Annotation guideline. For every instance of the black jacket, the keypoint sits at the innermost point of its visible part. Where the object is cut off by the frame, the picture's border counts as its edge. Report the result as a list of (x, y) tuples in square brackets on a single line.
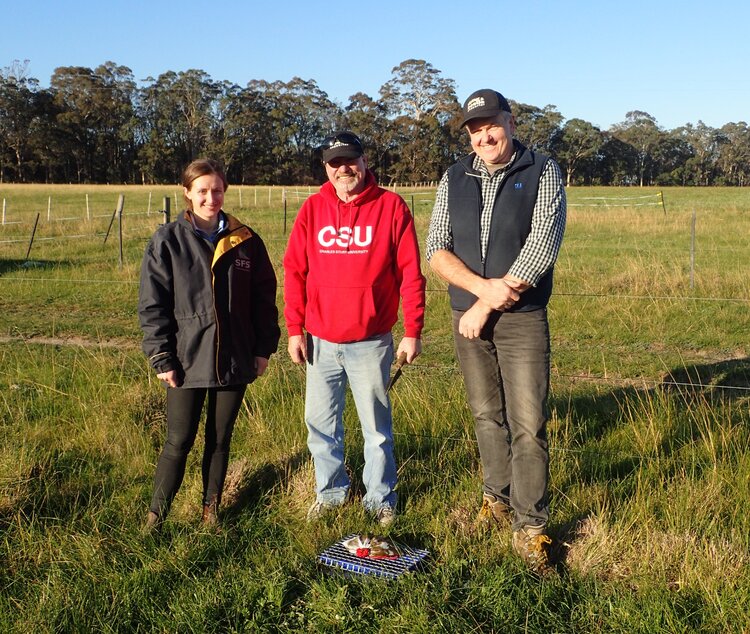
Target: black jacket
[(206, 311)]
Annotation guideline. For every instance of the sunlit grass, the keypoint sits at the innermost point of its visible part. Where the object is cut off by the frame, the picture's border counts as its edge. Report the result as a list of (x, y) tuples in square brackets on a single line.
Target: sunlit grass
[(650, 472)]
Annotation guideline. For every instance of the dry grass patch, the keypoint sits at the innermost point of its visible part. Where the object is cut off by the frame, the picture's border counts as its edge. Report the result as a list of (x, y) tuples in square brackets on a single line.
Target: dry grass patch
[(676, 559)]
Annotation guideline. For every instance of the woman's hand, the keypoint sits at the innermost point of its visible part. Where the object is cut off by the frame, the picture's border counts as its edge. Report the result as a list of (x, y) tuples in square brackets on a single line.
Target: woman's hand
[(261, 363), (170, 377)]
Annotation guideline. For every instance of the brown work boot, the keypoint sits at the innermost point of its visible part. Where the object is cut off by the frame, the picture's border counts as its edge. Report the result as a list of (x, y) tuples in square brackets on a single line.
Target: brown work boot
[(210, 517), (153, 524), (532, 545), (494, 513)]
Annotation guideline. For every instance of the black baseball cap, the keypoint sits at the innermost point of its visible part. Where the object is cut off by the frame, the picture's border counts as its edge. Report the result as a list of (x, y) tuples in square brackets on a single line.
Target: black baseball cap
[(341, 145), (484, 103)]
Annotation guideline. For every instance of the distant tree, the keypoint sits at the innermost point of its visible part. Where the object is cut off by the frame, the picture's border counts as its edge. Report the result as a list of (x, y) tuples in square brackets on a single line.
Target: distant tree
[(19, 106), (240, 139), (73, 89), (261, 115), (734, 154), (705, 142), (616, 162), (307, 117), (367, 118), (424, 113), (578, 144), (95, 116), (416, 90), (178, 119), (116, 135), (537, 128), (671, 156), (424, 150), (640, 131)]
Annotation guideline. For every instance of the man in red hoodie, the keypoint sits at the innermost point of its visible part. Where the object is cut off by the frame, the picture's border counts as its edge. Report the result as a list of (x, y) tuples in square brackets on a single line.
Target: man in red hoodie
[(352, 254)]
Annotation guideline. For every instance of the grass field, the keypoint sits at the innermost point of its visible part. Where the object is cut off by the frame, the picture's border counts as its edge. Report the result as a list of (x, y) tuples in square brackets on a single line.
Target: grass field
[(650, 468)]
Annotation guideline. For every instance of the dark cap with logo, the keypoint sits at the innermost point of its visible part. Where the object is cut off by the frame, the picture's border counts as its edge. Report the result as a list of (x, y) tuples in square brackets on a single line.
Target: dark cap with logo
[(341, 145), (484, 103)]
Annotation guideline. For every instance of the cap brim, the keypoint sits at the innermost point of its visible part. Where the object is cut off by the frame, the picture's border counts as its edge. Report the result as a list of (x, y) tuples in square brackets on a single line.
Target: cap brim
[(340, 152), (488, 113)]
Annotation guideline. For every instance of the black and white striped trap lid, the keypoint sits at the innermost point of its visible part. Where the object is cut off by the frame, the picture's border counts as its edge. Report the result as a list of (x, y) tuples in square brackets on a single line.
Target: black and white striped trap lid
[(338, 556)]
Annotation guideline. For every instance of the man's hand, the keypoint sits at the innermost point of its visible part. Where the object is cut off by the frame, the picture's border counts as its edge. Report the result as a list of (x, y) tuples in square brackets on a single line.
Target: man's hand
[(498, 293), (473, 320), (297, 348), (412, 346)]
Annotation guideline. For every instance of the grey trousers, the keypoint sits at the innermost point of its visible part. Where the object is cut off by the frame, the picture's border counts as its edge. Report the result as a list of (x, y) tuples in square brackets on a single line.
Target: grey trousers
[(506, 374)]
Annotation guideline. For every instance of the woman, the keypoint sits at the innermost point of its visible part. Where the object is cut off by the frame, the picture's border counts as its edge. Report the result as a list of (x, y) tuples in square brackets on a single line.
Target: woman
[(207, 308)]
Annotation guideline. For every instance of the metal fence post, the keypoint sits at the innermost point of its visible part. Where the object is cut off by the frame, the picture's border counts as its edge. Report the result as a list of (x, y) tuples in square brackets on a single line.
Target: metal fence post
[(120, 205)]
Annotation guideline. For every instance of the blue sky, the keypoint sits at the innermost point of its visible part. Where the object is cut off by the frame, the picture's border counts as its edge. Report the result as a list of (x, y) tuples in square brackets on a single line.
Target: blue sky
[(597, 60)]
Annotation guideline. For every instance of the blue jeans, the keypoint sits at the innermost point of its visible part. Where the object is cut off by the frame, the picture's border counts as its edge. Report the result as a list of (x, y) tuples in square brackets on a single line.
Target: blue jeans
[(506, 373), (365, 365)]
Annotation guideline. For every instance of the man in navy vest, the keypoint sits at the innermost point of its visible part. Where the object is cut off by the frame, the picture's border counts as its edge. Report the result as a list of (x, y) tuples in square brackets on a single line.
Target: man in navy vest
[(494, 236)]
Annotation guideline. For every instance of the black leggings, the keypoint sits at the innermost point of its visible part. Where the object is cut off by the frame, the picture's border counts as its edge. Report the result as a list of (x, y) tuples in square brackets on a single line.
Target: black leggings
[(184, 408)]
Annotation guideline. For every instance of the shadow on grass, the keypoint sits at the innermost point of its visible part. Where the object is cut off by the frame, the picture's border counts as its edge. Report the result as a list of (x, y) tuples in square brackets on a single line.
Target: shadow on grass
[(245, 486), (596, 454), (13, 265), (724, 380), (60, 486), (595, 418)]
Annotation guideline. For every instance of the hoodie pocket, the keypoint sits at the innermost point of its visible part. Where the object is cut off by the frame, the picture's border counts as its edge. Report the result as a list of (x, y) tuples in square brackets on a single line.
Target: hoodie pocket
[(341, 314)]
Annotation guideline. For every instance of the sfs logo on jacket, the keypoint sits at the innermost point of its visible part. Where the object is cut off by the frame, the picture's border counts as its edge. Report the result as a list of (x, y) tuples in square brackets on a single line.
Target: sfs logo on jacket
[(345, 237), (241, 263)]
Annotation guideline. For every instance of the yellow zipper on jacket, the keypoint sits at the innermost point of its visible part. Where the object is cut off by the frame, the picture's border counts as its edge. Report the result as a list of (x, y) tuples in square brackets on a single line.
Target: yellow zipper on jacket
[(238, 233)]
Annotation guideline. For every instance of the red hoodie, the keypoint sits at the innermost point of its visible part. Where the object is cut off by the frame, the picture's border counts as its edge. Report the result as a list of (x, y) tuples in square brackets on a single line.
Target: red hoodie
[(347, 264)]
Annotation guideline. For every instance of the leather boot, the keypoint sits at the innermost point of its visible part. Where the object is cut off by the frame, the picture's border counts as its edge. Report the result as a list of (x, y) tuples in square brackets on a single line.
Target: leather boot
[(210, 517), (152, 525)]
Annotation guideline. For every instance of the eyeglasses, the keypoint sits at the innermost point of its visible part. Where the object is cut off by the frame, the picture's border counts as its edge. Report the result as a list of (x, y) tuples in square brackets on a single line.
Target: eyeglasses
[(342, 138)]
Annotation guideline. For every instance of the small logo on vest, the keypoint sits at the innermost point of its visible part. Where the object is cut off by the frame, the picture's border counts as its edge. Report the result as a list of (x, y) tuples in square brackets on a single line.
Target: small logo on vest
[(518, 185)]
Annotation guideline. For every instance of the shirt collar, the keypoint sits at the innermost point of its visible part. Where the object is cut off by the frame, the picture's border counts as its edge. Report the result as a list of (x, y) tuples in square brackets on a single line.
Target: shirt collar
[(480, 166), (211, 237)]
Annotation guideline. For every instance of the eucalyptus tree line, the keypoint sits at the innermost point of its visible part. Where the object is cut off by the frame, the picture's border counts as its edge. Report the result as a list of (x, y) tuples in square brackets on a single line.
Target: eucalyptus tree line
[(99, 125), (95, 122)]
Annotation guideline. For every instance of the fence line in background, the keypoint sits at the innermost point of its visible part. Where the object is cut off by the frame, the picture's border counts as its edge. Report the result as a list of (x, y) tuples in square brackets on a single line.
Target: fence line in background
[(689, 298), (606, 201), (428, 290), (424, 369), (674, 248), (300, 195)]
